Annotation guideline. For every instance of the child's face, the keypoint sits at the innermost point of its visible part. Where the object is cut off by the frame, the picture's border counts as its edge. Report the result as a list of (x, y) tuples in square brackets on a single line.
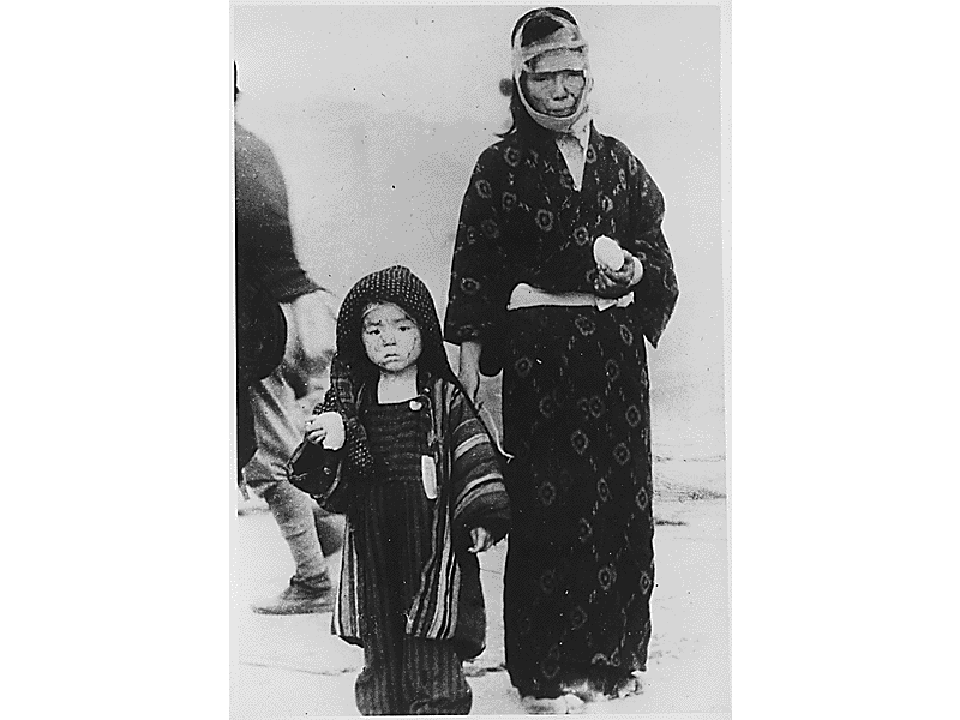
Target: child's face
[(391, 338)]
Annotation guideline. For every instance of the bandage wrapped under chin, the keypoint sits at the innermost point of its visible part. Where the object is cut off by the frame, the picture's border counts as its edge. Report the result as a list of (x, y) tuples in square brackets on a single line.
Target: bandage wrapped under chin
[(562, 50)]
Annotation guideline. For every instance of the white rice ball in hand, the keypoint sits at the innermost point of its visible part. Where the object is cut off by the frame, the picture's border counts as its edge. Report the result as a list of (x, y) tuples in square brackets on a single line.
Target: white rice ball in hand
[(326, 428), (608, 253)]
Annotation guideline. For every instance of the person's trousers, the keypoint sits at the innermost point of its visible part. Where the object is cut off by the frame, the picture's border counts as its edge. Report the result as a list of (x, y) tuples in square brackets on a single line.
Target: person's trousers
[(413, 676), (279, 425), (402, 675)]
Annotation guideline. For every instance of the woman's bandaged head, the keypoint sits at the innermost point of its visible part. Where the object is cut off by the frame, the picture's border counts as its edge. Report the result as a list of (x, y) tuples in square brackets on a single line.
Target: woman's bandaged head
[(561, 49)]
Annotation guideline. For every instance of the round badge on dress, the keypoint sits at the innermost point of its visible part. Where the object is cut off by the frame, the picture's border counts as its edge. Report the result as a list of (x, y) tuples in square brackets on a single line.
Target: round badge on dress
[(415, 405)]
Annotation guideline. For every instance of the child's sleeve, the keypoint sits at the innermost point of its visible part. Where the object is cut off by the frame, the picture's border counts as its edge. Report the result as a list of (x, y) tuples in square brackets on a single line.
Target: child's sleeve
[(477, 473), (318, 471), (331, 476), (342, 398)]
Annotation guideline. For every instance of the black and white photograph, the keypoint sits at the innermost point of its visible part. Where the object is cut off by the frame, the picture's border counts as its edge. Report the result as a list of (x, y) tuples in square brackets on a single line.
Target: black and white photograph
[(472, 358), (482, 349)]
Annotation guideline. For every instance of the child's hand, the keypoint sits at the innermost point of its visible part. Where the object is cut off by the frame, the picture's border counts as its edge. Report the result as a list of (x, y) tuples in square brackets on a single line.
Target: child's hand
[(326, 428), (482, 540)]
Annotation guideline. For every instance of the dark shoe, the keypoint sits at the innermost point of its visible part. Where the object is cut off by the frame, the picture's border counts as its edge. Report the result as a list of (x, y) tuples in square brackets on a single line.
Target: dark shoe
[(298, 599)]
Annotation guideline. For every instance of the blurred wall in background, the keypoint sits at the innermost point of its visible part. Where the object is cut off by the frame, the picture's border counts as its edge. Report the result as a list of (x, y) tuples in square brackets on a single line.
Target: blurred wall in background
[(378, 113)]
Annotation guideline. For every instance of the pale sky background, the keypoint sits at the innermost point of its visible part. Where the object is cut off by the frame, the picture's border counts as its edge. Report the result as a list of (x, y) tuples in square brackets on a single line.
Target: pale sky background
[(377, 114)]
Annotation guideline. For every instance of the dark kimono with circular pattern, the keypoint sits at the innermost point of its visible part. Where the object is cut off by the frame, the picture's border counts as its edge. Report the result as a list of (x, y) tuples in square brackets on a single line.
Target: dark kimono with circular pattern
[(579, 570)]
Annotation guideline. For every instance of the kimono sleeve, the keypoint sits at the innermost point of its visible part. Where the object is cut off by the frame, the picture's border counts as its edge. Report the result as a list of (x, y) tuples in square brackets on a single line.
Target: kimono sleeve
[(656, 294), (480, 496), (477, 296), (343, 397), (332, 476), (316, 470)]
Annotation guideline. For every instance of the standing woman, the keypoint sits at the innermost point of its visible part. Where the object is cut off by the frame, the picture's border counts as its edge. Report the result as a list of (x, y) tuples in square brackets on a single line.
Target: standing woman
[(560, 271)]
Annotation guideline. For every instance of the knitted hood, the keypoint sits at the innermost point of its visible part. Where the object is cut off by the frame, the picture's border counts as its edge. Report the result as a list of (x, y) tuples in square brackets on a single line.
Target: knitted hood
[(397, 285)]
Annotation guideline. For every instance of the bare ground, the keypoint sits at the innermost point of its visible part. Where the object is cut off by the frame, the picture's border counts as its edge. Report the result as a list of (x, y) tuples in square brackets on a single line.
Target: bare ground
[(293, 667)]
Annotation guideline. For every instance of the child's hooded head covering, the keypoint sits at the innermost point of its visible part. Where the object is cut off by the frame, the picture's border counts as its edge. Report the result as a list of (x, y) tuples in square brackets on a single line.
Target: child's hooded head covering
[(401, 287)]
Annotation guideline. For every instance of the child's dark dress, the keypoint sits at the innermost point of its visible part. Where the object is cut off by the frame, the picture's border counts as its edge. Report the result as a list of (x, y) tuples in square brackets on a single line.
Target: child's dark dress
[(410, 591), (403, 674)]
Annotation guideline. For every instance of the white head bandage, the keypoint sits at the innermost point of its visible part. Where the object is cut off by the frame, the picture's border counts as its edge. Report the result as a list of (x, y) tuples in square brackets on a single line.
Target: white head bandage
[(563, 49)]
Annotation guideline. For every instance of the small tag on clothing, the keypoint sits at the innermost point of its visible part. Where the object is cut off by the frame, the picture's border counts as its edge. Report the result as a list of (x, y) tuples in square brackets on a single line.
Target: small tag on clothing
[(428, 471)]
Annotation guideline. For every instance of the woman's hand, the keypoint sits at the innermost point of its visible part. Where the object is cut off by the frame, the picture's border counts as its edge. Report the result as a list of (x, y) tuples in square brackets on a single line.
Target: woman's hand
[(615, 284), (326, 428), (482, 540), (470, 368), (312, 339)]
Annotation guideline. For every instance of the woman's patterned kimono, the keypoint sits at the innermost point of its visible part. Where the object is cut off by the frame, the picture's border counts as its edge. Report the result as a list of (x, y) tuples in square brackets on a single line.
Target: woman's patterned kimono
[(580, 568)]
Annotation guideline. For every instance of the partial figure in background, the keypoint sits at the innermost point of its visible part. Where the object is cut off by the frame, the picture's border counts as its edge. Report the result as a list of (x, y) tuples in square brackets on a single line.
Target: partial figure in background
[(399, 448), (274, 294), (560, 270)]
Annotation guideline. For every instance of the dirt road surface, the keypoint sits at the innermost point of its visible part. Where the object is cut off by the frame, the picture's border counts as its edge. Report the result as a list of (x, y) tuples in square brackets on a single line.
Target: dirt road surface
[(286, 667)]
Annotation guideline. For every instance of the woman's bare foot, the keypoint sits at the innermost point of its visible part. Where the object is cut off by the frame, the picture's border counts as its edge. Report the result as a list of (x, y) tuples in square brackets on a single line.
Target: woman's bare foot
[(563, 705), (586, 691), (633, 685)]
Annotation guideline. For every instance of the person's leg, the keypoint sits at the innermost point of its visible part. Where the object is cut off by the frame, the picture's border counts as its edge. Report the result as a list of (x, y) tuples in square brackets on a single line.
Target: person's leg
[(278, 426), (377, 689), (330, 529), (433, 678)]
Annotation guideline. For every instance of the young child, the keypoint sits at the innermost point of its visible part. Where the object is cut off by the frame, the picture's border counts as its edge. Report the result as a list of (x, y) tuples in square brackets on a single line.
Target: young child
[(397, 446)]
